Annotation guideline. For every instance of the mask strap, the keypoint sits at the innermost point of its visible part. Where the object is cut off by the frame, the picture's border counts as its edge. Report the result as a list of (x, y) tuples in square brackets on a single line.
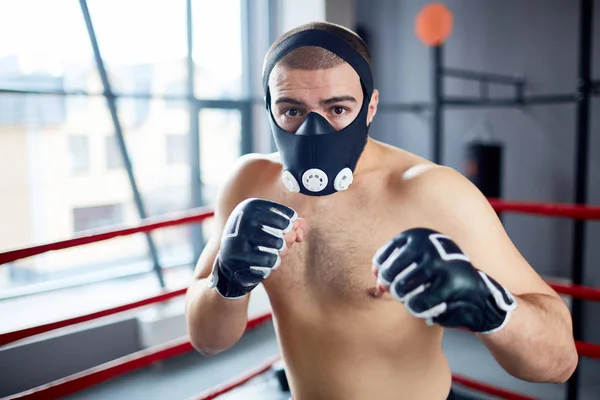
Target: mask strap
[(327, 41)]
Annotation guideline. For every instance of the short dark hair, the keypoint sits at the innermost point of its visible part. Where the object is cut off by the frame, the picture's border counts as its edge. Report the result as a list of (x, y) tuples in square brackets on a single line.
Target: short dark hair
[(311, 58)]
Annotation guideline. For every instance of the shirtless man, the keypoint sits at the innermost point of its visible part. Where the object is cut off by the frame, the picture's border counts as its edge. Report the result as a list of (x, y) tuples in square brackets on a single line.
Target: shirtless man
[(367, 252)]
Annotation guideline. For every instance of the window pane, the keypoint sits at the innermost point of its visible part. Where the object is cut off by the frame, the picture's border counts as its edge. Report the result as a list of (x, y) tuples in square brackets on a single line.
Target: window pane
[(217, 48), (43, 139), (79, 153), (41, 200), (88, 218), (220, 138), (114, 158), (143, 44), (45, 45), (24, 110), (177, 149), (164, 185)]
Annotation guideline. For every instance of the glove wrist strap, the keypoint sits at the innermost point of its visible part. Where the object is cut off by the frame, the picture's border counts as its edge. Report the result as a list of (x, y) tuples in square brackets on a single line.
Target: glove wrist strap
[(503, 302), (225, 286)]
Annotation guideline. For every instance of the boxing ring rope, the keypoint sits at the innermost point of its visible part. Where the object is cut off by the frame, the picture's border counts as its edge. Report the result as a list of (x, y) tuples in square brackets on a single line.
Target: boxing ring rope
[(579, 292), (268, 364), (201, 214), (96, 375), (188, 217), (488, 389), (144, 358), (576, 291), (10, 337), (237, 381), (572, 211)]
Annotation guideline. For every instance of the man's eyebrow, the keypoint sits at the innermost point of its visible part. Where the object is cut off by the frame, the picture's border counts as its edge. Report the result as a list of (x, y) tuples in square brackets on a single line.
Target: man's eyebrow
[(331, 100), (289, 100), (337, 99)]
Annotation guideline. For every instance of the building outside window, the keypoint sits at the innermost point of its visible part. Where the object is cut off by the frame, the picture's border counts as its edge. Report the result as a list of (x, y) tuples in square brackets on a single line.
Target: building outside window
[(63, 171), (87, 218), (79, 153)]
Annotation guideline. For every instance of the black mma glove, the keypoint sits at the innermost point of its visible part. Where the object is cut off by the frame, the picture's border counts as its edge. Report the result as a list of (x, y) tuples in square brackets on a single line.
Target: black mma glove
[(435, 280), (250, 245)]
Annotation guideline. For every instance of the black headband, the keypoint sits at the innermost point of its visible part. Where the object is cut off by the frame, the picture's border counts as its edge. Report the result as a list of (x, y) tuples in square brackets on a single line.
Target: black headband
[(327, 41)]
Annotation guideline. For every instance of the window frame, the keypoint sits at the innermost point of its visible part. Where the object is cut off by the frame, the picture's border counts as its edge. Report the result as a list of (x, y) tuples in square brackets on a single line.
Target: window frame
[(246, 105)]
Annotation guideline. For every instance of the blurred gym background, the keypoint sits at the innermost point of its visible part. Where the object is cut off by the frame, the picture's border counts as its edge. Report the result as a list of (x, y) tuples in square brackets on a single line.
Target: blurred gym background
[(112, 111)]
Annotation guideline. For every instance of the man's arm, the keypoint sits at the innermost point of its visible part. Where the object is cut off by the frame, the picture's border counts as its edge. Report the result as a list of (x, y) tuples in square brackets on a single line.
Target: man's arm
[(215, 323), (537, 343)]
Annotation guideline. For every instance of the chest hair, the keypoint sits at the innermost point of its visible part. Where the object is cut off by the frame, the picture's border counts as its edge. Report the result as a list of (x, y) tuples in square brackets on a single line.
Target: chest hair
[(335, 259)]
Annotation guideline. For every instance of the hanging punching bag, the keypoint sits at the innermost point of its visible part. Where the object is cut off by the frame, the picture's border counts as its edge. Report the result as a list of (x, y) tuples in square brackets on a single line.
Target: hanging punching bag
[(484, 167)]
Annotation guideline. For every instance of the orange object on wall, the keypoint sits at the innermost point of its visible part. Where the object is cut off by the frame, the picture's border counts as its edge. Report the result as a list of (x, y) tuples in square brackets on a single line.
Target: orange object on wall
[(433, 24)]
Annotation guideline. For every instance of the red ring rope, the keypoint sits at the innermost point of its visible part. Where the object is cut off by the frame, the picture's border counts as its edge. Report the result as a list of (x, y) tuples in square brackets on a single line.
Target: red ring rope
[(212, 394), (238, 381), (586, 349), (146, 357), (574, 211), (6, 338), (91, 377), (94, 376), (150, 224), (576, 291), (199, 215), (491, 390)]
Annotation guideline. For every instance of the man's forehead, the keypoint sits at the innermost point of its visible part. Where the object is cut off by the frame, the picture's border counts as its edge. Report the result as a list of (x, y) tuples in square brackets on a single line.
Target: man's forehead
[(341, 75)]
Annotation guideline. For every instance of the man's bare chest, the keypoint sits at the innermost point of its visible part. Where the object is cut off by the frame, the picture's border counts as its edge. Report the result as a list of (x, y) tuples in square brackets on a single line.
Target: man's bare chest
[(334, 260)]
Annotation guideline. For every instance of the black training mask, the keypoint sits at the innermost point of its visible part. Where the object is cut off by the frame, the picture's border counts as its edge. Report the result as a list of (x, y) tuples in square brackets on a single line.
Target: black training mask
[(317, 159)]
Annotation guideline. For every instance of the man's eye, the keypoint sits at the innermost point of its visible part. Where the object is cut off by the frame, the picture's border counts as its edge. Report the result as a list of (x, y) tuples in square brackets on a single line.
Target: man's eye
[(338, 110), (292, 112)]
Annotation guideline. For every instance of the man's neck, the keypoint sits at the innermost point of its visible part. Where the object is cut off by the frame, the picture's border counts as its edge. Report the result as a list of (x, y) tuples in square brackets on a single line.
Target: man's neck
[(369, 159)]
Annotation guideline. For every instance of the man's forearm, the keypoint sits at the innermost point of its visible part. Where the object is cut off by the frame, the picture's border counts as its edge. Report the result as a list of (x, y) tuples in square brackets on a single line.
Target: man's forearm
[(214, 323), (537, 343)]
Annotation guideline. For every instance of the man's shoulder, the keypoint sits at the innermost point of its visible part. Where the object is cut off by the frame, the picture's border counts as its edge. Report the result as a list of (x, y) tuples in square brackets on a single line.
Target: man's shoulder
[(405, 168), (420, 178), (428, 174), (251, 176), (436, 193), (255, 165)]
